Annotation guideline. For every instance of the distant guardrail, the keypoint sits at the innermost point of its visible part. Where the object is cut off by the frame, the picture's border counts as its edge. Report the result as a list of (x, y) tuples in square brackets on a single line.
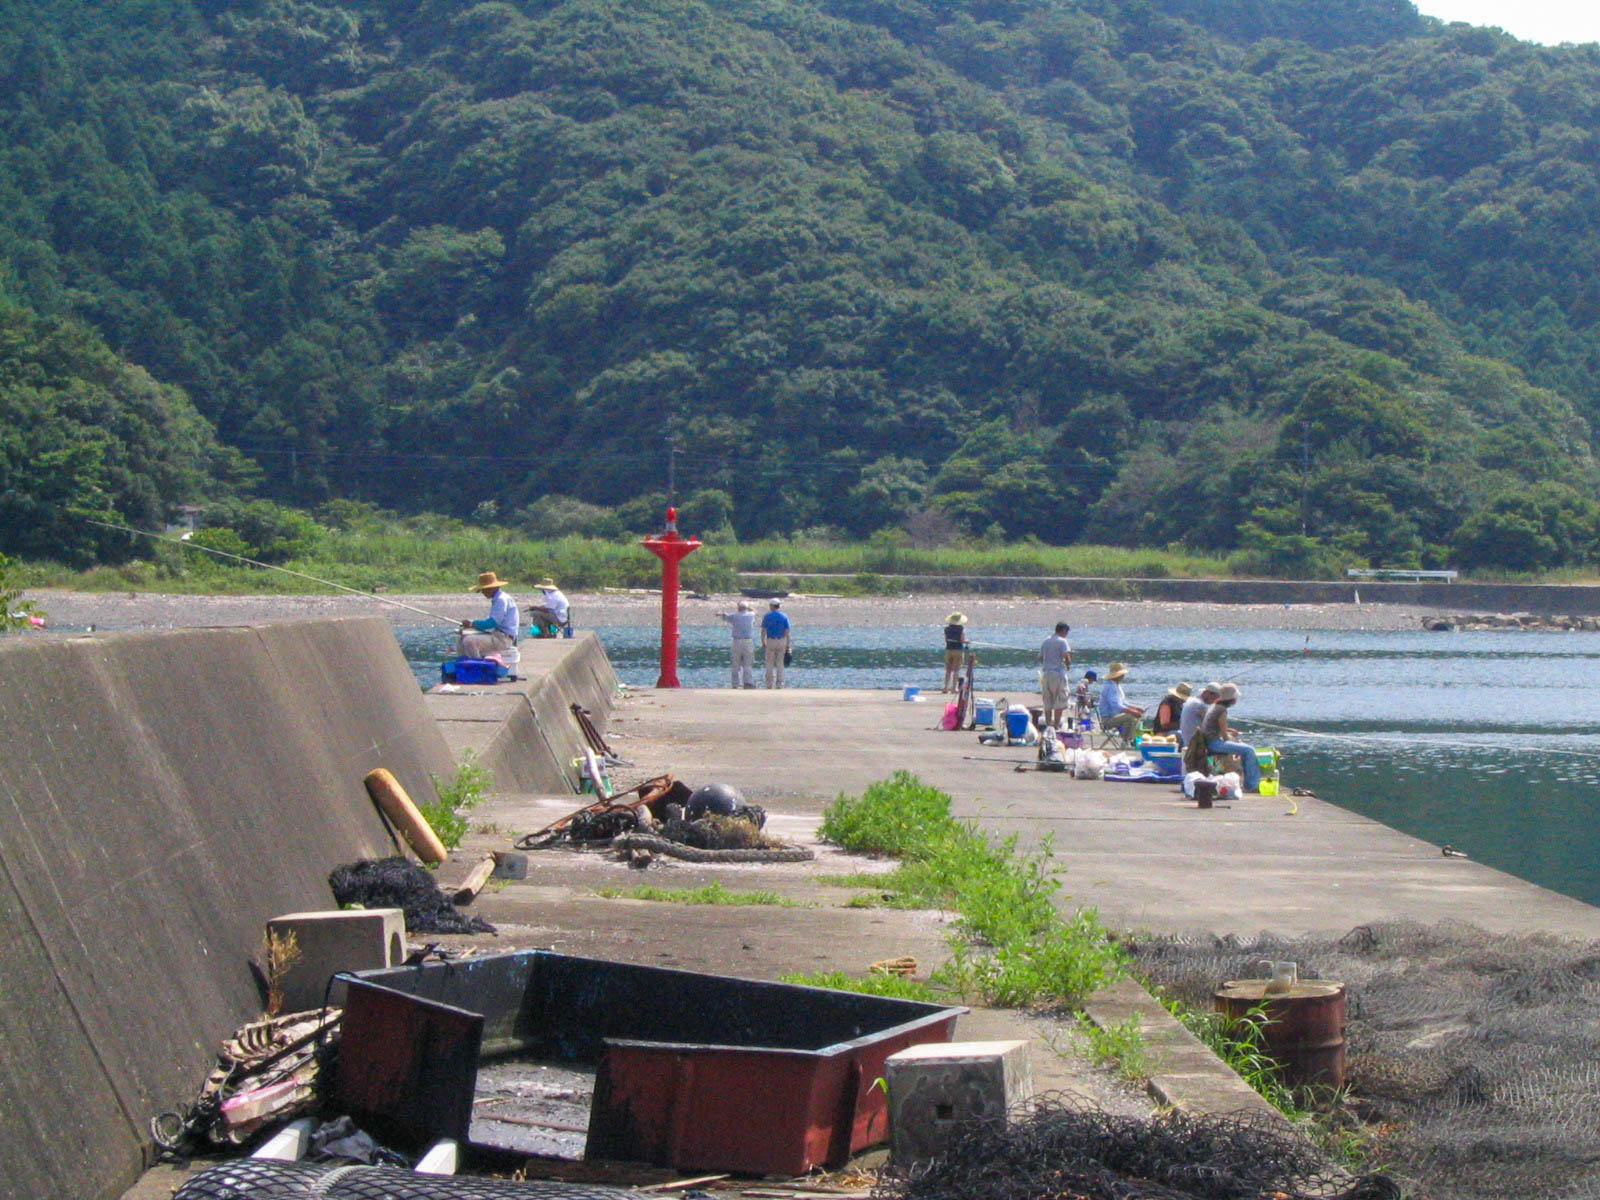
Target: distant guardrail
[(1399, 573)]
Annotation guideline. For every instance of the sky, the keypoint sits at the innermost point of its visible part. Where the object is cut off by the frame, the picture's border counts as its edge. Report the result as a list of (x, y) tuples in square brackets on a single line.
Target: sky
[(1549, 21)]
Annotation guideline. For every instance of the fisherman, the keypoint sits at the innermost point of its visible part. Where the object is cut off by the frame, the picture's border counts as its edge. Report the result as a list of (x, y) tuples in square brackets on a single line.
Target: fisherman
[(1083, 703), (556, 601), (955, 649), (1218, 737), (743, 623), (775, 641), (1194, 711), (497, 631), (1116, 714), (1055, 657), (1169, 711)]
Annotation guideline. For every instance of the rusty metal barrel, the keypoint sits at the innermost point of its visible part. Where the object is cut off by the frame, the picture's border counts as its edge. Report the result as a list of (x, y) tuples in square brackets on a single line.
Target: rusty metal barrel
[(1304, 1027)]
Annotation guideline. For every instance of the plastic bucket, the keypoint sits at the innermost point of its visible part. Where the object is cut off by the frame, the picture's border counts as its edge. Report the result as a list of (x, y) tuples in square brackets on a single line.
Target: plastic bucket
[(1017, 723), (910, 692), (983, 712)]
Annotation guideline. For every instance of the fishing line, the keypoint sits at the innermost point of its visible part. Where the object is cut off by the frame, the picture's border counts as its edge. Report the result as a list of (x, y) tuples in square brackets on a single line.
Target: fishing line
[(1395, 739), (160, 537)]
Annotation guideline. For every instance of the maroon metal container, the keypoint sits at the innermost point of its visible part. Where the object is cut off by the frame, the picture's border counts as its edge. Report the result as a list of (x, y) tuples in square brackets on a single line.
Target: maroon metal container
[(1304, 1027), (700, 1072)]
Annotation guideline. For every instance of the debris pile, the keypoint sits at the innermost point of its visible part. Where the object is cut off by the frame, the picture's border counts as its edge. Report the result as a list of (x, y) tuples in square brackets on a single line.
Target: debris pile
[(400, 883), (1059, 1150), (663, 816)]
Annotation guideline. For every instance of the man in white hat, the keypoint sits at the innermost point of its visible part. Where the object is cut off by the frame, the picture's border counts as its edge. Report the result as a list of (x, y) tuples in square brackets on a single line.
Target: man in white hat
[(955, 649), (556, 601), (775, 628), (1116, 714), (743, 655), (497, 631)]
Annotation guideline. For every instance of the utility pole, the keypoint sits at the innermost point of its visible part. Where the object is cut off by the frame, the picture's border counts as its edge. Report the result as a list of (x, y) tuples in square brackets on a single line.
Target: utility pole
[(1305, 472)]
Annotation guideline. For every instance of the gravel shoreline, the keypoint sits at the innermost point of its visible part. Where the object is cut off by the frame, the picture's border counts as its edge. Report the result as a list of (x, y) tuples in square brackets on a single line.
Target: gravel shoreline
[(123, 611)]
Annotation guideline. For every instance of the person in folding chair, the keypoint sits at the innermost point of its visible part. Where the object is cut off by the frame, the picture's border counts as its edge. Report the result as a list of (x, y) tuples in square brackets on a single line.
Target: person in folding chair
[(1117, 716)]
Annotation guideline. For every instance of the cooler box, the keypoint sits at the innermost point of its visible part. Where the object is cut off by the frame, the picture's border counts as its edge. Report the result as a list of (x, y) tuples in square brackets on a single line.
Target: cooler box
[(1268, 758), (983, 713), (471, 670), (1018, 721), (1152, 748), (1164, 762)]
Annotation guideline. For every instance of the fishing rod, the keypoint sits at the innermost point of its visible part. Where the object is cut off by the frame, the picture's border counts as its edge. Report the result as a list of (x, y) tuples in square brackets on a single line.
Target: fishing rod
[(161, 537)]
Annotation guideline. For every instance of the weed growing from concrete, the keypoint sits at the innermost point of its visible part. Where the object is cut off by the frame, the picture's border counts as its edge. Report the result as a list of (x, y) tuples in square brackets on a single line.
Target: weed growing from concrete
[(279, 953), (457, 797), (713, 894), (875, 984), (1010, 946), (1121, 1046)]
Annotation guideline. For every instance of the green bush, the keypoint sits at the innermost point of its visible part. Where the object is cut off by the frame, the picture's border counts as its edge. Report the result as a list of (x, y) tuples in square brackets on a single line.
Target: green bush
[(457, 798)]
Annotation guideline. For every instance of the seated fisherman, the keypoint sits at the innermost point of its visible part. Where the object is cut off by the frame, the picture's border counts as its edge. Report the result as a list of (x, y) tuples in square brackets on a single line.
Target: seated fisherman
[(1116, 714), (1169, 711), (1218, 737), (497, 631), (556, 601), (1194, 711)]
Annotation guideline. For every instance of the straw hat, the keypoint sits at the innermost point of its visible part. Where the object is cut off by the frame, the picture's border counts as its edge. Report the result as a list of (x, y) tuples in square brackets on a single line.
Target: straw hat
[(956, 619), (1183, 691), (487, 580), (546, 584), (1117, 671), (1228, 693)]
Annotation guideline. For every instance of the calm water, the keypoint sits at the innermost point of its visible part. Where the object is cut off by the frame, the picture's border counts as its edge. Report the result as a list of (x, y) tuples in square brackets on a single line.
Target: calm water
[(1487, 741)]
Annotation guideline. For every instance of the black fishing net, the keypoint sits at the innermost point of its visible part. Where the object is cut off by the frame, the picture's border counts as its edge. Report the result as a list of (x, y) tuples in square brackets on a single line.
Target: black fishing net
[(400, 883), (1473, 1058), (1055, 1150), (260, 1179), (722, 833)]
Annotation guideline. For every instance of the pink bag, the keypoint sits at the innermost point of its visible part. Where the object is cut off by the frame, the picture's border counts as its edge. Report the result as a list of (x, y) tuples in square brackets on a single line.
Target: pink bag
[(952, 716)]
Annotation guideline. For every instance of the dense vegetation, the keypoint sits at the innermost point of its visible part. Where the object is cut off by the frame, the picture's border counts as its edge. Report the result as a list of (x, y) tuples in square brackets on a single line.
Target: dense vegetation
[(1309, 281)]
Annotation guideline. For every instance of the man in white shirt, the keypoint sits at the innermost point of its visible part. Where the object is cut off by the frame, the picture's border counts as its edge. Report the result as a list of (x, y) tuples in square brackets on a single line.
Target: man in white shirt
[(1055, 656), (556, 601), (1116, 714), (743, 626)]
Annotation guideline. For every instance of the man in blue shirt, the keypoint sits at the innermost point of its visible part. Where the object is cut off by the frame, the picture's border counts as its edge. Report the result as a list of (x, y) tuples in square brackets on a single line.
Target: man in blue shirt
[(497, 631), (775, 641), (1116, 714)]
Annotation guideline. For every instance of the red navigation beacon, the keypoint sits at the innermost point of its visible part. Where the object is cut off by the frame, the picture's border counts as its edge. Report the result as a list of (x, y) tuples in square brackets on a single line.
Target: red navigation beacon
[(671, 547)]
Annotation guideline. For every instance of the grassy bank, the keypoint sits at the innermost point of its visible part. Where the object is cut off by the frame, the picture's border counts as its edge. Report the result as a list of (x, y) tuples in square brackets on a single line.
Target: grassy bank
[(432, 559)]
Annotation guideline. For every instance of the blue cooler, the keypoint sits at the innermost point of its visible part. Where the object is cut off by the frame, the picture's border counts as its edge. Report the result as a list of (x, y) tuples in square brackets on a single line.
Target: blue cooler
[(1017, 723), (983, 713)]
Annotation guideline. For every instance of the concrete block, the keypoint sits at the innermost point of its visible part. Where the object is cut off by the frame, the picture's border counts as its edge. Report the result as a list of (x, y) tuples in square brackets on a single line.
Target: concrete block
[(938, 1085), (361, 939)]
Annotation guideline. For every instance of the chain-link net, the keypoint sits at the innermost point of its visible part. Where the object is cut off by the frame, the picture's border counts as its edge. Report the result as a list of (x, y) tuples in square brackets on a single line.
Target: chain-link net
[(400, 883), (1055, 1150), (1473, 1057), (259, 1179)]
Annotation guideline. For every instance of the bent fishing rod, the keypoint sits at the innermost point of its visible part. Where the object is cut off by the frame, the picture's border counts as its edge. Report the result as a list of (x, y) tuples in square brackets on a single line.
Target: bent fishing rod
[(161, 537)]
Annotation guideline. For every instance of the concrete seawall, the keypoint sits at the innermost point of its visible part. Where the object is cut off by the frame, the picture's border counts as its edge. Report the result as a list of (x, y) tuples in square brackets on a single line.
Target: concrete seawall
[(524, 733), (1544, 599), (161, 796)]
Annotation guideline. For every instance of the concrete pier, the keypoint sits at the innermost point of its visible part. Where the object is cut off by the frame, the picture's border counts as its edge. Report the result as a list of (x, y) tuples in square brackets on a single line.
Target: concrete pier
[(1140, 853)]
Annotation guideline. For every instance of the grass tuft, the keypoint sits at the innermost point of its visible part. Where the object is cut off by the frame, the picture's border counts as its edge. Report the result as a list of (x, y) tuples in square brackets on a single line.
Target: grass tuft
[(711, 894)]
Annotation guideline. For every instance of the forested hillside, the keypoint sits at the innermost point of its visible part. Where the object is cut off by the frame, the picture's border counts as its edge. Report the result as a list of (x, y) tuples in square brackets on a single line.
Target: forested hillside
[(1314, 279)]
